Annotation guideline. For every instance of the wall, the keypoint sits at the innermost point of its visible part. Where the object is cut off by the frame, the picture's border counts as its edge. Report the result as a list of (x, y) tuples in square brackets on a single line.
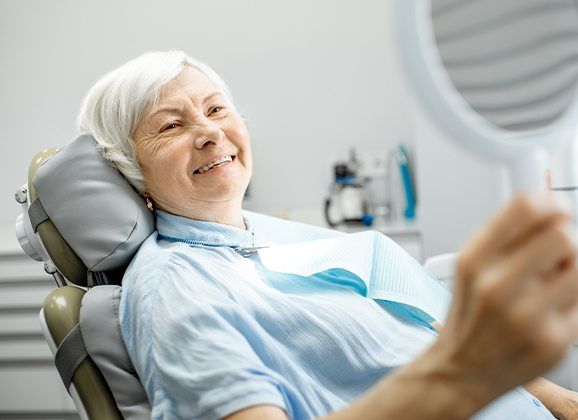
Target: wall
[(458, 191), (311, 78)]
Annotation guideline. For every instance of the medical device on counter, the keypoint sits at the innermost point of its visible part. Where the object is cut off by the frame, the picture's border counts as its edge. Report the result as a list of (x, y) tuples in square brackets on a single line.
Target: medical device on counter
[(402, 160), (499, 77), (348, 196), (380, 190)]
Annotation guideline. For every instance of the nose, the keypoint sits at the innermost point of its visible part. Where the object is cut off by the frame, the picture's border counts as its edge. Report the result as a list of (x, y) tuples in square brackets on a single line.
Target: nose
[(207, 134)]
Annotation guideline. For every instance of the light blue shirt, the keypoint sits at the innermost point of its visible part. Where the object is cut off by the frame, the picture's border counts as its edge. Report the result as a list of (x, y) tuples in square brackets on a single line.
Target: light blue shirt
[(211, 332)]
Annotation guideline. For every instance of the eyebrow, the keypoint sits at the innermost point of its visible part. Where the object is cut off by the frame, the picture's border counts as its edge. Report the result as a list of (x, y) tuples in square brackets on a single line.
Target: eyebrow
[(217, 93), (167, 110)]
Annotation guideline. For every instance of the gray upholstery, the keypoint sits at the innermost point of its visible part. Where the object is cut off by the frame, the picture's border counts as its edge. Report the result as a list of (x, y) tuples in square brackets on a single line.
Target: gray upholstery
[(99, 323), (103, 222), (78, 188), (37, 214)]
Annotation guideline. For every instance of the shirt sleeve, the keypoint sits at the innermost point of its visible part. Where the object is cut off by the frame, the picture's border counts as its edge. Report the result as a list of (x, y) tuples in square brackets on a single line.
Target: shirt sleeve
[(201, 349)]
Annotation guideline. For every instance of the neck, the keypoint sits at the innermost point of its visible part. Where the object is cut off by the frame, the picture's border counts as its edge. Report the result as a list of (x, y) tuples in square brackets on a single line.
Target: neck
[(226, 213)]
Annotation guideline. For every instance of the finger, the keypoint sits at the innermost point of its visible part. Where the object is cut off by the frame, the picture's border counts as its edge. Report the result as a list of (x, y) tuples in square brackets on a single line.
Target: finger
[(524, 214), (571, 317), (561, 292), (570, 309), (548, 249), (563, 329), (542, 255)]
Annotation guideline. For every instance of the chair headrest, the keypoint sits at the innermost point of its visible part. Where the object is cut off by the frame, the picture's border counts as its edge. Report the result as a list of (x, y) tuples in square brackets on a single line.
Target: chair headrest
[(93, 207)]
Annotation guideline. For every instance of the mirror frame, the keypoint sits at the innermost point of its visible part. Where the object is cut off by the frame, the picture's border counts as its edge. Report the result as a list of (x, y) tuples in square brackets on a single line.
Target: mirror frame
[(438, 95)]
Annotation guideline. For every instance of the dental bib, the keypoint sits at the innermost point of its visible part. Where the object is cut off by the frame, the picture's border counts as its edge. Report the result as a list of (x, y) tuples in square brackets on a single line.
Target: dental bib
[(381, 269)]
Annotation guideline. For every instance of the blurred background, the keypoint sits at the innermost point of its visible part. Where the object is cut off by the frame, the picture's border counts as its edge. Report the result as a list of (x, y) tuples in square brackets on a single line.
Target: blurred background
[(335, 131), (312, 80)]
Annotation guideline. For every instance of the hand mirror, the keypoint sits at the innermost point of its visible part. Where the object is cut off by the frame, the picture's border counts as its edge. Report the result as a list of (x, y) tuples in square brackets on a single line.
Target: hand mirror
[(500, 77)]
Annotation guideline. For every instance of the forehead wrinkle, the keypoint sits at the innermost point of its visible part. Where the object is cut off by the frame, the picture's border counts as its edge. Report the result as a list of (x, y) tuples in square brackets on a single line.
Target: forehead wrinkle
[(193, 90), (174, 109), (171, 109), (212, 95)]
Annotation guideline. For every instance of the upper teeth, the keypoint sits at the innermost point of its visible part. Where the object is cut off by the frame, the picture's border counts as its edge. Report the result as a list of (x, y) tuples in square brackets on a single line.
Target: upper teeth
[(217, 162)]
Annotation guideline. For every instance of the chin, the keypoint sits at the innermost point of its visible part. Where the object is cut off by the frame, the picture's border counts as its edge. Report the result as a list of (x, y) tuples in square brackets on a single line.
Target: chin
[(222, 194)]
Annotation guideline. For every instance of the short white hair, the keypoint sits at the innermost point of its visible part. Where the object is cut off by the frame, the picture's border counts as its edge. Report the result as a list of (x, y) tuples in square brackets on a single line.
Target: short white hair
[(114, 106)]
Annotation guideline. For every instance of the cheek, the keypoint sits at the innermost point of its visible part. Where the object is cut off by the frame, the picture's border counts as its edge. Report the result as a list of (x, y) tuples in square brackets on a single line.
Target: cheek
[(147, 154), (237, 131), (165, 165), (240, 137)]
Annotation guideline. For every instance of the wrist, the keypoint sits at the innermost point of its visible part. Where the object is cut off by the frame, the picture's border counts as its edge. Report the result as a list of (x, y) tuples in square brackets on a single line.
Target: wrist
[(426, 388), (452, 390), (446, 394), (556, 398)]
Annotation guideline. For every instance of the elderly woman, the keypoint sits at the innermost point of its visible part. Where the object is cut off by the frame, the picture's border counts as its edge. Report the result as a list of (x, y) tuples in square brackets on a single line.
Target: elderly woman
[(213, 335)]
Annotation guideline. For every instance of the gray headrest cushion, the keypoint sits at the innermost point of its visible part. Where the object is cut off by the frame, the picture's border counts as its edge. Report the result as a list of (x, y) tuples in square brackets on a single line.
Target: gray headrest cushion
[(92, 205)]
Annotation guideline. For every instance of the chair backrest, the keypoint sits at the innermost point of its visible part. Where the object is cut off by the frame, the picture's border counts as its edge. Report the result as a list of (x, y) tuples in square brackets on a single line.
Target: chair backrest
[(86, 385), (90, 223), (105, 346)]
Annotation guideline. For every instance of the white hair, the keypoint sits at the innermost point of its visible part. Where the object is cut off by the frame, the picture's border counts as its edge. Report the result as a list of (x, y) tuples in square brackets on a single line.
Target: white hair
[(113, 107)]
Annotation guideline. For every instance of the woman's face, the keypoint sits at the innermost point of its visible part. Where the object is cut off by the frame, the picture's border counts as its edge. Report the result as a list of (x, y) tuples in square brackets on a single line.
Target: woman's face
[(193, 148)]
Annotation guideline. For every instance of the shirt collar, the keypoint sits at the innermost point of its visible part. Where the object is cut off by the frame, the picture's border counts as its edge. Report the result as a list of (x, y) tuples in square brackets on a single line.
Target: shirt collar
[(200, 232)]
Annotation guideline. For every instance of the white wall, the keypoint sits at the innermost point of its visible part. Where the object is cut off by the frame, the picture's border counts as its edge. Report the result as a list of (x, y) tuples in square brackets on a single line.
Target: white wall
[(311, 77), (458, 191)]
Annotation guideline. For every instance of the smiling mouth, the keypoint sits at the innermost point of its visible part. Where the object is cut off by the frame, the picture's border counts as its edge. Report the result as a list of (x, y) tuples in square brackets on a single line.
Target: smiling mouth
[(215, 164)]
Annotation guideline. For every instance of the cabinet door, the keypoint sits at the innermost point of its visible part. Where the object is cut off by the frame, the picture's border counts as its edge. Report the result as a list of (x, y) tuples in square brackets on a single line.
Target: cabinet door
[(30, 386), (411, 243)]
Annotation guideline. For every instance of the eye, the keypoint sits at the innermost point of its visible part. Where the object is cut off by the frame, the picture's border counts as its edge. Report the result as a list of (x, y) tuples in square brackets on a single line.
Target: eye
[(215, 109), (170, 126)]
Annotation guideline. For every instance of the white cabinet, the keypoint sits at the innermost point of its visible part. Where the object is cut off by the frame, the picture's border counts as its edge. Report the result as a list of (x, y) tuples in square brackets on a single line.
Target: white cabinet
[(407, 235), (410, 241), (30, 386)]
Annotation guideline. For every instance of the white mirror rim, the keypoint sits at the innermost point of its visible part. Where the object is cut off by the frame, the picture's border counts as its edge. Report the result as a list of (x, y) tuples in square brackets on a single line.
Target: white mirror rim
[(440, 98)]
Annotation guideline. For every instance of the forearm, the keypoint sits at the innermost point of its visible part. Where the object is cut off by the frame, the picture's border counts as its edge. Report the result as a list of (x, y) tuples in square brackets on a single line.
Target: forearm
[(422, 389), (553, 396), (539, 387)]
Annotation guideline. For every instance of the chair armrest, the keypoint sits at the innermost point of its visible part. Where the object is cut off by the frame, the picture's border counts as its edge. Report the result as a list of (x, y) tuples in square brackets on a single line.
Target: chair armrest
[(443, 267)]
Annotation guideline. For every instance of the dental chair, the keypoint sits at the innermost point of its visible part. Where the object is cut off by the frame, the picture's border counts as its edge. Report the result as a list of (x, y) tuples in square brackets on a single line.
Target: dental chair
[(83, 219)]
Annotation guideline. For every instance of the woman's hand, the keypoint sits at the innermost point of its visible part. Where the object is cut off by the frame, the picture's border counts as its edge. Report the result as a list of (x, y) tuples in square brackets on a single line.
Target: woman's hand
[(515, 308), (515, 312), (565, 405)]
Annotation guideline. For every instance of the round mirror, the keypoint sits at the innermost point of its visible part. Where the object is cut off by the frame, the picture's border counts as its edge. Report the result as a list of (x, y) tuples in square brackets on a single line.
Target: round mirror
[(499, 76)]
